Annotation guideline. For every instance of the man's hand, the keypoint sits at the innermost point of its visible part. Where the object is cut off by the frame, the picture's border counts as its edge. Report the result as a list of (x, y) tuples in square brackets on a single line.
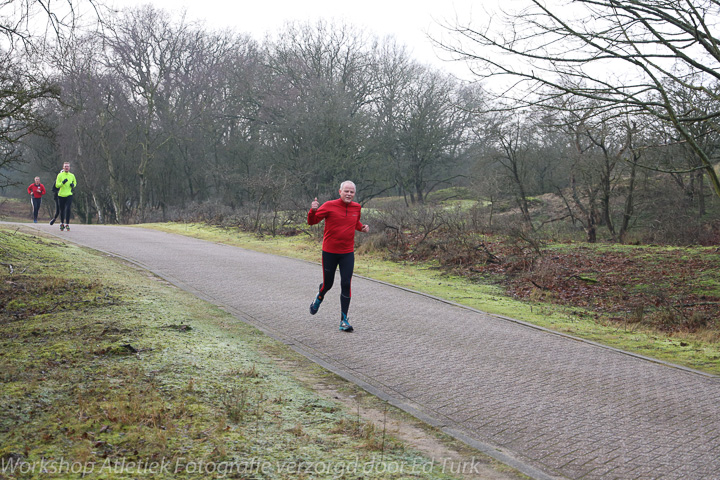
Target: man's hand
[(64, 181), (365, 228), (315, 205)]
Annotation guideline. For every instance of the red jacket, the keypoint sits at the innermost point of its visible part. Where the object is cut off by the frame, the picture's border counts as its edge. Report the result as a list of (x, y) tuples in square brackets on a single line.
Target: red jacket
[(36, 191), (341, 221)]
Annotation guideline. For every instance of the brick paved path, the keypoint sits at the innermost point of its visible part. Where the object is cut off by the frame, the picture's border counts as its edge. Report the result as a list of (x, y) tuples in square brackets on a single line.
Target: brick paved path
[(549, 404)]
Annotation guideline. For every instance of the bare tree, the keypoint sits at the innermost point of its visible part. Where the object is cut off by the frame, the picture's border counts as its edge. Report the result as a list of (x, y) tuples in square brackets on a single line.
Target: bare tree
[(433, 132), (228, 124), (20, 92), (598, 175), (629, 55), (514, 144), (317, 114), (94, 131), (395, 74), (29, 28), (688, 177), (147, 51)]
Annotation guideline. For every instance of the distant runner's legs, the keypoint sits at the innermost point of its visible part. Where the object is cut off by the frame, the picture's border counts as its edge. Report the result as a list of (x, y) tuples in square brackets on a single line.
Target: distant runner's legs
[(57, 208), (36, 207), (65, 208)]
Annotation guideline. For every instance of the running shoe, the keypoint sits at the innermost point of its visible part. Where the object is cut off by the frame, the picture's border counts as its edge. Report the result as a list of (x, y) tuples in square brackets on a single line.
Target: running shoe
[(344, 324), (315, 305), (67, 228), (62, 227), (52, 221)]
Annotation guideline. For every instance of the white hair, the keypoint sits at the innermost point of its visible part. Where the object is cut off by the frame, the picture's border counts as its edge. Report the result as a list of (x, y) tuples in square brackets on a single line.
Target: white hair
[(342, 185)]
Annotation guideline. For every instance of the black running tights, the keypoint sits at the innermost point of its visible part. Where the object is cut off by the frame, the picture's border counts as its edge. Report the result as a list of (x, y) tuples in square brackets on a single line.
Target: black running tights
[(65, 207), (36, 207), (330, 262)]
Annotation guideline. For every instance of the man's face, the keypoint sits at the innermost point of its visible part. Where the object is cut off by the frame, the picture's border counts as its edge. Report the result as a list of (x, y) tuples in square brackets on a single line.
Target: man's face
[(37, 180), (66, 167), (347, 192)]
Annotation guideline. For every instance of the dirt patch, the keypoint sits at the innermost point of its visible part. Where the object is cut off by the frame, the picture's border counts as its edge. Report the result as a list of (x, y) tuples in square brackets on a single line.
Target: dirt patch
[(670, 290)]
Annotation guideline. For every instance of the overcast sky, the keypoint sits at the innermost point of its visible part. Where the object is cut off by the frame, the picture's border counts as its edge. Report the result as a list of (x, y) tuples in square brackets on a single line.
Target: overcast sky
[(409, 21)]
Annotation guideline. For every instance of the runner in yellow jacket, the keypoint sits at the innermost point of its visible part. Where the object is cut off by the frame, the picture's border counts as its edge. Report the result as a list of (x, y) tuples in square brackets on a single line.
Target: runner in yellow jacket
[(66, 183)]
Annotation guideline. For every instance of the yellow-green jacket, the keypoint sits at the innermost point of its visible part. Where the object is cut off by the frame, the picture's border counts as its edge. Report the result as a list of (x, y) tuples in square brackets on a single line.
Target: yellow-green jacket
[(66, 189)]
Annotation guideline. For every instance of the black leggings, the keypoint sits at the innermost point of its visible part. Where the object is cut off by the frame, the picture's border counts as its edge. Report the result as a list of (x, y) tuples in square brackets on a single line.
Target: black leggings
[(36, 207), (330, 262), (65, 207)]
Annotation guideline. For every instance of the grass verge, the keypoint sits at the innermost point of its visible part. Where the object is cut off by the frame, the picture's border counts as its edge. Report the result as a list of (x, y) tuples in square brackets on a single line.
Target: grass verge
[(109, 372), (694, 351)]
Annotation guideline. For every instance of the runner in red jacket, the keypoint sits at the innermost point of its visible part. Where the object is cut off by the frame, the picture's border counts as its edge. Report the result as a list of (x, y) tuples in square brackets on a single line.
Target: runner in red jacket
[(342, 219), (36, 191)]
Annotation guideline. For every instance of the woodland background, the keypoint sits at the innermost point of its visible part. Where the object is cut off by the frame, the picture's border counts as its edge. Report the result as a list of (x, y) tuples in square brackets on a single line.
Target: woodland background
[(162, 118)]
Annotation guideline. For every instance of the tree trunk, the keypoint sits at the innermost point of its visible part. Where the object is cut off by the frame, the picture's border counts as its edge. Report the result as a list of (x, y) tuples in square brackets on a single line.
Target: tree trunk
[(98, 208), (701, 193), (591, 228), (629, 203)]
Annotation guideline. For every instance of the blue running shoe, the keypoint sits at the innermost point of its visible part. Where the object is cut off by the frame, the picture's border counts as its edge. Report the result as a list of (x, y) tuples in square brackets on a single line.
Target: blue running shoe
[(314, 306), (345, 325)]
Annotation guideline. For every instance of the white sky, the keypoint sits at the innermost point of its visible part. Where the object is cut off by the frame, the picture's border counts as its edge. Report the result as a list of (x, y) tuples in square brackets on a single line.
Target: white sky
[(409, 21)]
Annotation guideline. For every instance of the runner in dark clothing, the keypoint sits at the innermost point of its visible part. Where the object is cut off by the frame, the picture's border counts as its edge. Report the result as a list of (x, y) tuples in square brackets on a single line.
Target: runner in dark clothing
[(342, 219), (36, 191), (55, 191)]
